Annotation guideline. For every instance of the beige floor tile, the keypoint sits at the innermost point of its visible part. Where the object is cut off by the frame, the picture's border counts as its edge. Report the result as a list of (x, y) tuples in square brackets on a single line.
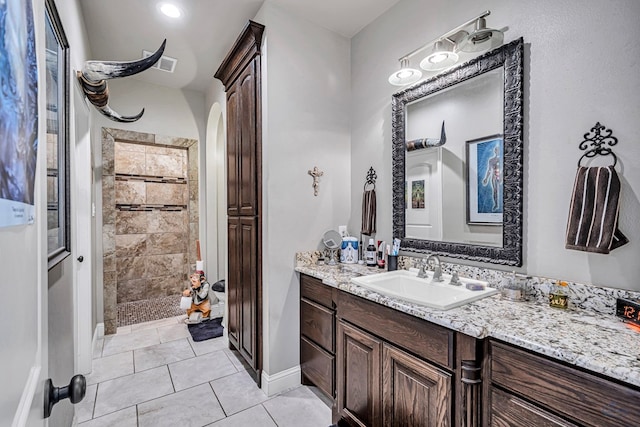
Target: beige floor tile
[(162, 354), (84, 408), (256, 416), (195, 406), (173, 332), (200, 370), (154, 324), (237, 392), (123, 392), (123, 418), (299, 407), (208, 346), (110, 367), (236, 359), (114, 344)]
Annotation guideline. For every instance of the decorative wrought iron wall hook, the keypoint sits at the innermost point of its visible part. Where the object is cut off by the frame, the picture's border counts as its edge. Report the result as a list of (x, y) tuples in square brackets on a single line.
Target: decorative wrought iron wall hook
[(371, 178), (595, 142)]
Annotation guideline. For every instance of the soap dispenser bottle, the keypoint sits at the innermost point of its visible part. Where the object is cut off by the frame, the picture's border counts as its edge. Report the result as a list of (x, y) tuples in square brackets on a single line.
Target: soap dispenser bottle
[(370, 254)]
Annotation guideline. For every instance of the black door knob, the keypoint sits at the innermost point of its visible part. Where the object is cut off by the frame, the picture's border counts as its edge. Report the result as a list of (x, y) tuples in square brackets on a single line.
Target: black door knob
[(75, 391), (80, 258)]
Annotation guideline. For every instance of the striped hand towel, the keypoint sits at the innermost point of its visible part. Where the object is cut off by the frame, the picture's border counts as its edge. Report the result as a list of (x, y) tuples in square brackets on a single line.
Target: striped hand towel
[(593, 215), (369, 212)]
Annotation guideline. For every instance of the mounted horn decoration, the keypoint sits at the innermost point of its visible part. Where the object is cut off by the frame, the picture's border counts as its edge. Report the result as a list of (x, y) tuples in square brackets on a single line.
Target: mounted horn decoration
[(94, 75)]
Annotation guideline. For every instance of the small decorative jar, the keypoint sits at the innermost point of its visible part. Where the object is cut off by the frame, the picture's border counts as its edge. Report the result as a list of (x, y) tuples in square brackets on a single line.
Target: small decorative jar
[(558, 297)]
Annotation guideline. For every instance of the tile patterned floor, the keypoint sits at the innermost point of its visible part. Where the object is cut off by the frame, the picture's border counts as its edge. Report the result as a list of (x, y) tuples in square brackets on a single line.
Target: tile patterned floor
[(154, 374), (130, 313)]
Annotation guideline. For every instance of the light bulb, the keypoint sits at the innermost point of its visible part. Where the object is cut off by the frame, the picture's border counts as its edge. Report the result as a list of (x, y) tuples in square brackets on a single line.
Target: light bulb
[(170, 10)]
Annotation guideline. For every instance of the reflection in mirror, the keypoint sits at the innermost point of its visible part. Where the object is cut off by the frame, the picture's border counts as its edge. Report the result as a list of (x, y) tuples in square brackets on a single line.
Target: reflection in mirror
[(471, 109), (462, 199)]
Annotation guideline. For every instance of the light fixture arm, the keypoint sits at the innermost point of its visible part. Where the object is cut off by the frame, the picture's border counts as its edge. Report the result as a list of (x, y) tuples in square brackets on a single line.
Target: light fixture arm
[(445, 35)]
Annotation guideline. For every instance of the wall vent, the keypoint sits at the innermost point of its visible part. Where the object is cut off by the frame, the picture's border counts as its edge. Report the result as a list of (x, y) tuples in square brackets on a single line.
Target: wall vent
[(165, 63)]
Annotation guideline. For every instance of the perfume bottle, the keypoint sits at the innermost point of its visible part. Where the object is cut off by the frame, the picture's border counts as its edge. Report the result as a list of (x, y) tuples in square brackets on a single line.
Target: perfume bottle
[(559, 294)]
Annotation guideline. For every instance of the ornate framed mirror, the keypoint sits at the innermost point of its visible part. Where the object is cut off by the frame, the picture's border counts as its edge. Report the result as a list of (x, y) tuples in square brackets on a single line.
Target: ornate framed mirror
[(481, 105)]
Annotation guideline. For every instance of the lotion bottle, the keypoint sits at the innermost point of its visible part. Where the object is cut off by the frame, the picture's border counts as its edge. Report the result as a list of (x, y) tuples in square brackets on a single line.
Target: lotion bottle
[(370, 254)]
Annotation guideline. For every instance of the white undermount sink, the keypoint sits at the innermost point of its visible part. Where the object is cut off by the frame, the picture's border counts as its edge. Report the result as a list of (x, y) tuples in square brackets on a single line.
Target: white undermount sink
[(406, 285)]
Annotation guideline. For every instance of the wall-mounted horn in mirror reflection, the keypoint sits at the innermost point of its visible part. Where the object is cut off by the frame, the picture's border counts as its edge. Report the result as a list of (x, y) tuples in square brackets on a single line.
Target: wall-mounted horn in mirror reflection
[(436, 188)]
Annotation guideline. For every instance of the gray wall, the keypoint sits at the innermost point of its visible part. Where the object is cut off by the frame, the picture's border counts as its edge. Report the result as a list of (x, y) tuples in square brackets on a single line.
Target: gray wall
[(581, 67), (306, 92)]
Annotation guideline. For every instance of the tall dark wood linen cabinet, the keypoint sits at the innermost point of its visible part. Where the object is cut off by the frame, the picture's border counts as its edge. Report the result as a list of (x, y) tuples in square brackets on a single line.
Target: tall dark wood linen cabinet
[(240, 74)]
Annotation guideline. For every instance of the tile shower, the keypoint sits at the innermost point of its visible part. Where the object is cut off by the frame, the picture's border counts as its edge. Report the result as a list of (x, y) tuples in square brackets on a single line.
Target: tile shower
[(150, 224)]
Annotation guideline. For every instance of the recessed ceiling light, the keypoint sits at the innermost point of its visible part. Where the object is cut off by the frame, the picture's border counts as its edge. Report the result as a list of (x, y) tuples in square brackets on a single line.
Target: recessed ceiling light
[(171, 10)]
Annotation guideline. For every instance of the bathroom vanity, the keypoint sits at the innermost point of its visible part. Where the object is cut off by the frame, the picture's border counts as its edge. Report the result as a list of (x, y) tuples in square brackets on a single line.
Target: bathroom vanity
[(386, 362)]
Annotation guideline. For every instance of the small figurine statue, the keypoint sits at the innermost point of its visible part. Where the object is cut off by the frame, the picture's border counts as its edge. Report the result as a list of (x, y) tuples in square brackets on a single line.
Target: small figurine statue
[(199, 292)]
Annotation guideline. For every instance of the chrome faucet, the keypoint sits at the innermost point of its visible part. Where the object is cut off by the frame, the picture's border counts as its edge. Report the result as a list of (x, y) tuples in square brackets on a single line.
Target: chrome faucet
[(422, 272), (455, 279), (437, 269)]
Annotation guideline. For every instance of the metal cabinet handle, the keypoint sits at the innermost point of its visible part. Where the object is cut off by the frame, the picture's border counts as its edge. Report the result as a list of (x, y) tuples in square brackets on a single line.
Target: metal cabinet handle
[(75, 392), (80, 258)]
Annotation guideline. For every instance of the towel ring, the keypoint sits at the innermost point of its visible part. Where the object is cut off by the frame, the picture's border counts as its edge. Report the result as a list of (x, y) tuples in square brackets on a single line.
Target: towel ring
[(371, 179), (599, 152), (596, 138)]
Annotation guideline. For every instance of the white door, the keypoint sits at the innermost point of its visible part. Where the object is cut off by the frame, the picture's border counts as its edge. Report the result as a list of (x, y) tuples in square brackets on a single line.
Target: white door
[(423, 195)]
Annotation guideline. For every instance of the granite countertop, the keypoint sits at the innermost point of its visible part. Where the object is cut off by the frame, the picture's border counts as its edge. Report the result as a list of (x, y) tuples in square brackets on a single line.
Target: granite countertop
[(597, 342)]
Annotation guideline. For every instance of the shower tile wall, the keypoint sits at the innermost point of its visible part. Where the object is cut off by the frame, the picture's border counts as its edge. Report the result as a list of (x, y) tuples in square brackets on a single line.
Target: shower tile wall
[(139, 210), (152, 225)]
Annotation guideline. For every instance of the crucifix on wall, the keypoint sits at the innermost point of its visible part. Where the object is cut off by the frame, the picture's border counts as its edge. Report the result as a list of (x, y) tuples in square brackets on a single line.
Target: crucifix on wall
[(316, 173)]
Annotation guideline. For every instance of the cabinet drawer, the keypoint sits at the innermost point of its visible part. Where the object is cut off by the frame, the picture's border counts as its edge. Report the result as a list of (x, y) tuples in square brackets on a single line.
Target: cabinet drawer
[(318, 366), (313, 289), (507, 410), (582, 396), (317, 324), (431, 342)]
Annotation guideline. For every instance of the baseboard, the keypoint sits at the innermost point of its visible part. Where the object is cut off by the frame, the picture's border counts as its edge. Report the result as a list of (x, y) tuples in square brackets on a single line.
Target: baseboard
[(26, 400), (281, 381), (98, 334)]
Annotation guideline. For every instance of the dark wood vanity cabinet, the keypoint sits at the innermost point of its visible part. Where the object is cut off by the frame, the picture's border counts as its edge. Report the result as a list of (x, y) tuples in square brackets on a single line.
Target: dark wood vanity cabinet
[(382, 385), (383, 367), (528, 389), (317, 334), (241, 75), (392, 369)]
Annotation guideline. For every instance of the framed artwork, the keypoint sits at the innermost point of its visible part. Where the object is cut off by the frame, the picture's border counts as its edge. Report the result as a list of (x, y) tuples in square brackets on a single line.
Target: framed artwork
[(57, 89), (485, 158), (18, 113), (417, 194)]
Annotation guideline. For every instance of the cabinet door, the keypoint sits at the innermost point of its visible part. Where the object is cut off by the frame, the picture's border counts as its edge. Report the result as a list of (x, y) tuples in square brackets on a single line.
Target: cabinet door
[(234, 271), (359, 394), (248, 290), (247, 143), (508, 410), (414, 393), (233, 162)]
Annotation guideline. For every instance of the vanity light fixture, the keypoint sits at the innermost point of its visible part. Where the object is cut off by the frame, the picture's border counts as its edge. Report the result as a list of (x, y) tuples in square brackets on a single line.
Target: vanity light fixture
[(170, 10), (405, 75), (442, 56), (482, 38), (472, 36)]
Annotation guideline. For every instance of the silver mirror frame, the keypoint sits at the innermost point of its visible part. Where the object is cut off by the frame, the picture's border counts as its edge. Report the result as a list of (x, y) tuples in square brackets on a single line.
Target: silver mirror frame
[(509, 56)]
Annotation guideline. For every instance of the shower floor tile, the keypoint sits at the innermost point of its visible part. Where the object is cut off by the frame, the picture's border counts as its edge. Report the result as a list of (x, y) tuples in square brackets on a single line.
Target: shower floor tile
[(131, 313)]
